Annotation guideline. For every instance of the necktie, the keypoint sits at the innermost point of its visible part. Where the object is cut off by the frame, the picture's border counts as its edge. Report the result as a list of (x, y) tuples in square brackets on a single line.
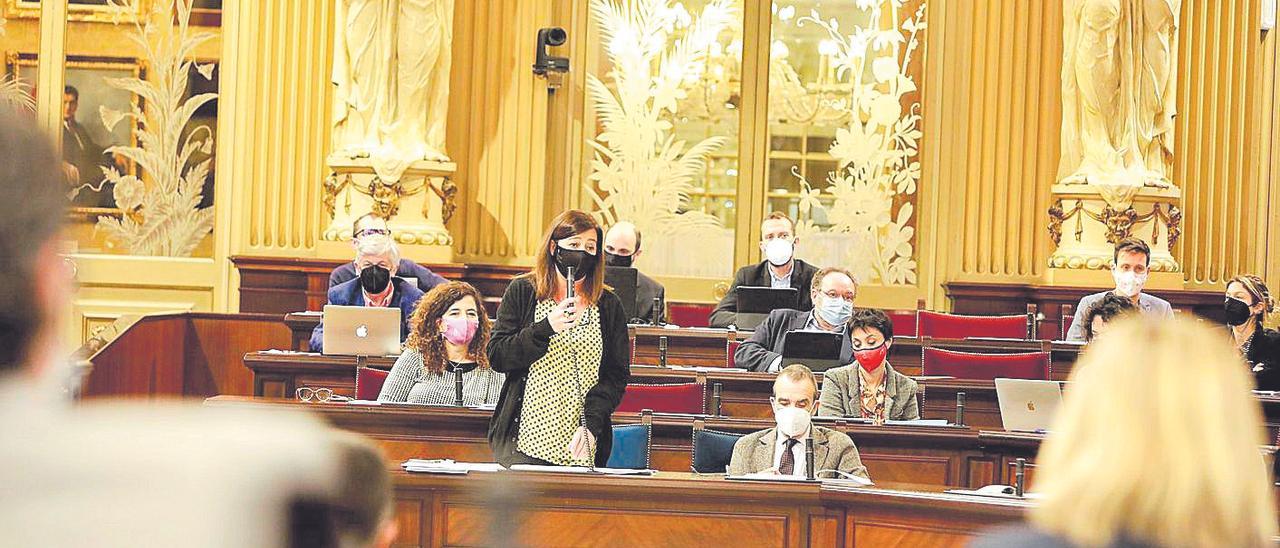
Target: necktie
[(788, 463)]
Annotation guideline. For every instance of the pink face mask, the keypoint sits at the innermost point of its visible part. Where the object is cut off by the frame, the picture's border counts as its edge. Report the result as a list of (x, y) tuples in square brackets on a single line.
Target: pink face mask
[(460, 331)]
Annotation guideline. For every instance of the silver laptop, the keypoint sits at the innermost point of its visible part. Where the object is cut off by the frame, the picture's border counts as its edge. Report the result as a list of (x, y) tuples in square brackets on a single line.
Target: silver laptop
[(361, 330), (1027, 405)]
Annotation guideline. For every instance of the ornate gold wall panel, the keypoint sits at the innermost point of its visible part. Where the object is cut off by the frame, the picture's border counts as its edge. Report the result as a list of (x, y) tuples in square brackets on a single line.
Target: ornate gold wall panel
[(993, 112)]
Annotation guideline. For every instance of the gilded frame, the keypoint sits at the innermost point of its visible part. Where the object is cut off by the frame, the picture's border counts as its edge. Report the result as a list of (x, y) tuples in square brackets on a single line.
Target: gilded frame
[(80, 10)]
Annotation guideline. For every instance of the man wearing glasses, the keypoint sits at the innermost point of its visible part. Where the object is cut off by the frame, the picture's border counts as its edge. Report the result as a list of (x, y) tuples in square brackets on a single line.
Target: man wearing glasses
[(780, 269), (370, 225), (833, 293)]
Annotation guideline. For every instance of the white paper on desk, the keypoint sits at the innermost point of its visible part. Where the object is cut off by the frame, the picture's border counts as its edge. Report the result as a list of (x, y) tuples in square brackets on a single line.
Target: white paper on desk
[(919, 422), (551, 468), (624, 471), (309, 313), (364, 402), (279, 351), (768, 476), (448, 466)]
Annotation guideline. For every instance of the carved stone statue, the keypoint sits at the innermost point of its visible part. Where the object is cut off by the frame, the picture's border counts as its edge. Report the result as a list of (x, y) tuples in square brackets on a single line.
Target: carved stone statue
[(1119, 61), (391, 77)]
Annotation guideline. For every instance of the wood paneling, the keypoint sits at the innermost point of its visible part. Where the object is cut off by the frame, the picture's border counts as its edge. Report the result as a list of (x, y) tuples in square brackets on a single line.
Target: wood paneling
[(183, 354)]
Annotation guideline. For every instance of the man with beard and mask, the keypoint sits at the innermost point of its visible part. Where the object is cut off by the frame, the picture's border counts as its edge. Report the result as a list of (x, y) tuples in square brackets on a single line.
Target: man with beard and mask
[(376, 284), (1130, 261), (781, 450), (780, 269), (833, 294), (561, 340), (1247, 305), (370, 224), (622, 248)]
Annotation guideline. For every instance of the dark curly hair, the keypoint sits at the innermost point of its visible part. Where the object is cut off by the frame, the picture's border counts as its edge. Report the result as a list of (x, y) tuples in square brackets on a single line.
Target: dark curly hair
[(872, 318), (427, 339), (1109, 308)]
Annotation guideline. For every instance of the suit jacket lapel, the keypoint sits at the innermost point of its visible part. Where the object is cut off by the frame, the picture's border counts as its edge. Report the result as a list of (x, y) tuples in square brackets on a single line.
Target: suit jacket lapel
[(763, 456), (821, 451)]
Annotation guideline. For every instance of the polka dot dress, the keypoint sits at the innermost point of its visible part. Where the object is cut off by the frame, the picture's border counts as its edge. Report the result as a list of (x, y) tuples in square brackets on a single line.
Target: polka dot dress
[(558, 382)]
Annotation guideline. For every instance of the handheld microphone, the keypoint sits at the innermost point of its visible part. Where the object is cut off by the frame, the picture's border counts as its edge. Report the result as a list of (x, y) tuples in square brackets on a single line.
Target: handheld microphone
[(808, 459), (715, 398), (1019, 476), (457, 387), (569, 282), (959, 408), (662, 351)]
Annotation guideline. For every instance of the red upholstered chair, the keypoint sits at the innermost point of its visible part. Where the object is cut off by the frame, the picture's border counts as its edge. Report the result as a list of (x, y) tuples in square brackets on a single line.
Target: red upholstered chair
[(967, 365), (954, 326), (689, 314), (904, 322), (731, 348), (1068, 318), (664, 398), (369, 382)]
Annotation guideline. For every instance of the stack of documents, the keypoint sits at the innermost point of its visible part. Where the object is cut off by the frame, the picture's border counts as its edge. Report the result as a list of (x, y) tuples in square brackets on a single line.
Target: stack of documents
[(448, 466)]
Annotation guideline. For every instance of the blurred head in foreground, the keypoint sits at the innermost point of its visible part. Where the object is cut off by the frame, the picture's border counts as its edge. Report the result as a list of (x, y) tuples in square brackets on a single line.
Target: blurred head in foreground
[(1158, 442)]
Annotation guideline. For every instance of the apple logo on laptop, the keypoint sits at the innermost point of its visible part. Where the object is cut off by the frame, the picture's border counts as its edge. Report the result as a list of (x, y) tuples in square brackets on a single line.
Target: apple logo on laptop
[(1031, 406), (362, 331)]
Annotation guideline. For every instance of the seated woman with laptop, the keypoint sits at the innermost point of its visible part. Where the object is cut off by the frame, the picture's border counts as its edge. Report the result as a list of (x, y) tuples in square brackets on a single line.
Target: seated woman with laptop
[(869, 387), (448, 334)]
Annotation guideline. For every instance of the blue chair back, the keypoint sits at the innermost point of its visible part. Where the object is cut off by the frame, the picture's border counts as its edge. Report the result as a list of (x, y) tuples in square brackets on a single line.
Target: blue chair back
[(630, 447), (712, 450)]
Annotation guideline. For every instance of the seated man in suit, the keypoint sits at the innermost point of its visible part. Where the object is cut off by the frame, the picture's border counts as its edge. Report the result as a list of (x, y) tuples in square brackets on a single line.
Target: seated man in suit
[(833, 292), (794, 400), (373, 225), (376, 284), (779, 269), (622, 248), (1129, 268)]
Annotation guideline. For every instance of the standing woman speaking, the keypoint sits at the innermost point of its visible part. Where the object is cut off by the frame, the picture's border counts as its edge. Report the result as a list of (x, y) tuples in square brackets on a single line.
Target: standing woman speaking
[(564, 350)]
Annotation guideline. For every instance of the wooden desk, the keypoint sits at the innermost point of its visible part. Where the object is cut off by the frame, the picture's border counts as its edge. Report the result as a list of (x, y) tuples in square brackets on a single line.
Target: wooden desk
[(681, 509), (940, 456), (709, 347)]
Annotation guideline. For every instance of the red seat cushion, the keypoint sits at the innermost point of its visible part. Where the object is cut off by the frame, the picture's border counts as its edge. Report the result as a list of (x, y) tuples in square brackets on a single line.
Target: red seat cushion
[(1067, 322), (954, 326), (730, 349), (369, 383), (663, 398), (690, 315), (967, 365)]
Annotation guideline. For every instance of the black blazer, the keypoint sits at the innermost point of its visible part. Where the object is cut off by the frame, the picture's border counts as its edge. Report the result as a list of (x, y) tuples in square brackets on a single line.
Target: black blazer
[(1264, 359), (517, 342), (757, 275), (765, 344)]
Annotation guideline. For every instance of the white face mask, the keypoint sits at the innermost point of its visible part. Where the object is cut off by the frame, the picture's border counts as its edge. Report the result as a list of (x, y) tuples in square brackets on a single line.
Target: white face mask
[(1129, 283), (792, 421), (778, 251), (834, 311)]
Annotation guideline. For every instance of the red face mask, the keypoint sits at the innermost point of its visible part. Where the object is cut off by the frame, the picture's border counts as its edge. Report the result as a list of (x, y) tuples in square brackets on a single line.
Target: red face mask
[(871, 358)]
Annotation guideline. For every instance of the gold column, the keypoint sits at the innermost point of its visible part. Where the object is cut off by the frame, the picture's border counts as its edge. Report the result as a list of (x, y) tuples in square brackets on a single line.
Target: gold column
[(49, 76), (498, 131)]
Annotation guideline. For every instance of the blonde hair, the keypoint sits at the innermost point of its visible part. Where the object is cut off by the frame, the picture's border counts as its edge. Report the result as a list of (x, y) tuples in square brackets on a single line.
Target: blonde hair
[(1158, 441)]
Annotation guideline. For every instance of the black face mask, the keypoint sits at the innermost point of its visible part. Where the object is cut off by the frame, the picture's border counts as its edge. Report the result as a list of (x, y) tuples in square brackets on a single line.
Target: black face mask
[(617, 260), (581, 261), (374, 279), (1237, 311)]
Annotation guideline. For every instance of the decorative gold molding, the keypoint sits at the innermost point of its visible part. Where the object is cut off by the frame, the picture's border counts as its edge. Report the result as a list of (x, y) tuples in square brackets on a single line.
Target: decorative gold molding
[(1119, 223)]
